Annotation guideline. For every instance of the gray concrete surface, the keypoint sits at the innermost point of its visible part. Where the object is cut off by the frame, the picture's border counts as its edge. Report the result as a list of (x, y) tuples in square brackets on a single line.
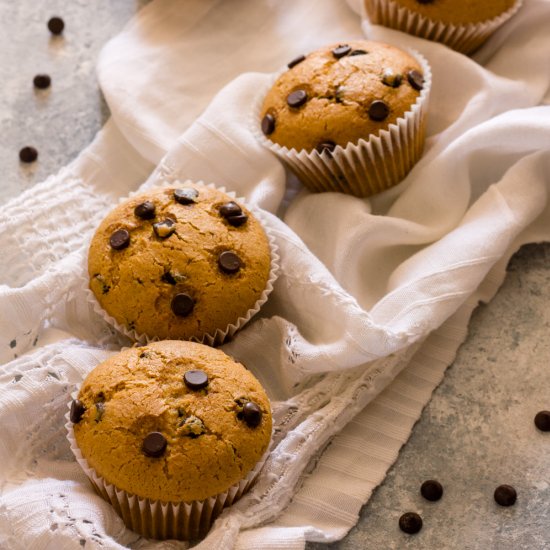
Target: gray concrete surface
[(477, 432)]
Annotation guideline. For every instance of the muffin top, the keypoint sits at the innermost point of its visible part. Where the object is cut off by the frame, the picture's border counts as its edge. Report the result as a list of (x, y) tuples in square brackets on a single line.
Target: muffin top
[(179, 262), (172, 421), (458, 11), (339, 94)]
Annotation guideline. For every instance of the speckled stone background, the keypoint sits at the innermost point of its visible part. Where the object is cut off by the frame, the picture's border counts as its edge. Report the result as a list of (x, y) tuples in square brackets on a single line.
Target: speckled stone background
[(476, 433)]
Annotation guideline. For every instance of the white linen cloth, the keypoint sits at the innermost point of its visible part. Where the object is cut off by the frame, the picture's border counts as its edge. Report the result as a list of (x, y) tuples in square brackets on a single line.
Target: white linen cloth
[(374, 295)]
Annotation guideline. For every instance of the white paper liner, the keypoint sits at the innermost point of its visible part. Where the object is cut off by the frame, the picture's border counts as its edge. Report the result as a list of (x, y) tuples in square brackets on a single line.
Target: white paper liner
[(157, 519), (364, 168), (220, 335), (465, 38)]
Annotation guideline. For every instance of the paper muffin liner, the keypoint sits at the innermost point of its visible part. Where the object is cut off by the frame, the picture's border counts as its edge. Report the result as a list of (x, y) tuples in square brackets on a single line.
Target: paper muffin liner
[(220, 335), (157, 519), (364, 168), (464, 38)]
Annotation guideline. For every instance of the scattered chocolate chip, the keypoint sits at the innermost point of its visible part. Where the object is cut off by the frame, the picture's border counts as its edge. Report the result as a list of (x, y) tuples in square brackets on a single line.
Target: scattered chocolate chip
[(186, 195), (378, 110), (120, 239), (99, 410), (505, 495), (237, 221), (410, 523), (326, 146), (182, 305), (230, 209), (229, 262), (192, 426), (358, 52), (341, 51), (145, 210), (42, 81), (154, 445), (77, 411), (296, 61), (268, 124), (296, 98), (164, 229), (252, 414), (28, 154), (13, 343), (431, 490), (167, 277), (56, 25), (416, 80), (542, 421), (195, 379), (391, 78)]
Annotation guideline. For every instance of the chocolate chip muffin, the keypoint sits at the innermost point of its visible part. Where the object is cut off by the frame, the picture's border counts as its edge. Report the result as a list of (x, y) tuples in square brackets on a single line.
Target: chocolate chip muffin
[(179, 262), (320, 114), (172, 421), (461, 24)]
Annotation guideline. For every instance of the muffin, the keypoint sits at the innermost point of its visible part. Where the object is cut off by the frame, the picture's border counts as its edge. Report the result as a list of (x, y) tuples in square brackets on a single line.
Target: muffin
[(183, 262), (463, 25), (349, 117), (171, 422)]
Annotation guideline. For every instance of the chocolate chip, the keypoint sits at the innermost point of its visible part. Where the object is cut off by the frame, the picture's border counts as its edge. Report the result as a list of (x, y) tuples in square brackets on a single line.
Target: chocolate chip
[(252, 414), (120, 239), (425, 1), (326, 146), (341, 51), (56, 25), (164, 229), (230, 209), (296, 98), (77, 411), (358, 52), (237, 221), (391, 78), (145, 210), (410, 523), (28, 154), (99, 410), (154, 445), (195, 379), (268, 124), (182, 305), (167, 277), (505, 495), (186, 195), (431, 490), (378, 110), (542, 421), (229, 262), (42, 81), (296, 61), (416, 80)]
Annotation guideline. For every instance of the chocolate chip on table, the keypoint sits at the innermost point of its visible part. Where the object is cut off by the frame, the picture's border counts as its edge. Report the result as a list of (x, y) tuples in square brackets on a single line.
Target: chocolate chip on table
[(410, 523), (230, 209), (326, 146), (431, 490), (268, 124), (77, 411), (505, 495), (154, 444), (416, 80), (56, 25), (341, 51), (378, 110), (182, 304), (42, 81), (358, 52), (28, 154), (297, 98), (229, 262), (252, 414), (145, 210), (296, 61), (164, 228), (195, 379), (186, 195), (120, 239), (542, 421), (391, 78)]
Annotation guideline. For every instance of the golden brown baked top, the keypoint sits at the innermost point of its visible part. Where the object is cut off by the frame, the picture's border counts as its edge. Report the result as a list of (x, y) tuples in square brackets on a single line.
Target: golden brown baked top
[(458, 11), (210, 430), (178, 262), (339, 94)]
